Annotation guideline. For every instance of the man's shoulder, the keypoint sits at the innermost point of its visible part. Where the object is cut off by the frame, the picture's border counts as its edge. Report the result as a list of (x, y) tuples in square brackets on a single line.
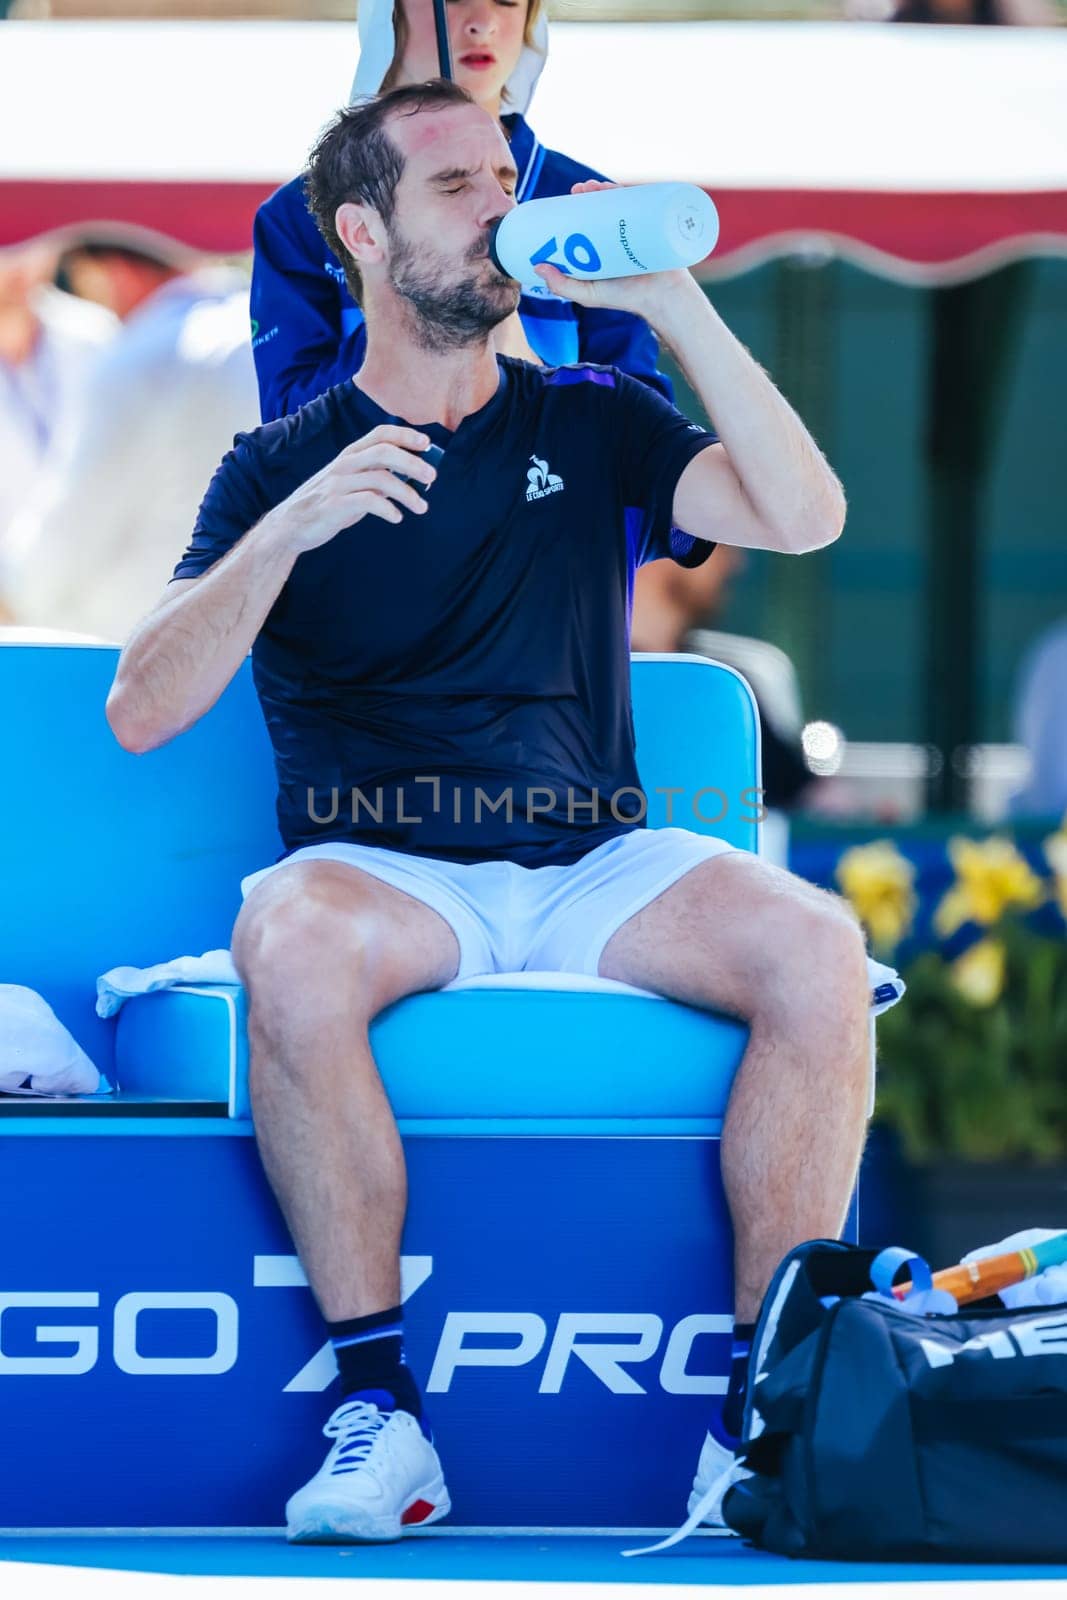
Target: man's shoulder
[(294, 444), (578, 383), (594, 373)]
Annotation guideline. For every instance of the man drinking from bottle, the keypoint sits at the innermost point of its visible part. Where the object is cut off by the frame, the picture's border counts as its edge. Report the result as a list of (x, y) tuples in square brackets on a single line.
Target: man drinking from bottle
[(442, 656)]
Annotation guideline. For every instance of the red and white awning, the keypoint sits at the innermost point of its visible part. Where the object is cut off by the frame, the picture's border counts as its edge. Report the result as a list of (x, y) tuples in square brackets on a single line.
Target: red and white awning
[(930, 152)]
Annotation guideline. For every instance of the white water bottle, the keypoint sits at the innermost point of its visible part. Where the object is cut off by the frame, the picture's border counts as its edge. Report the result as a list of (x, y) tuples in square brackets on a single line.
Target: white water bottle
[(606, 233)]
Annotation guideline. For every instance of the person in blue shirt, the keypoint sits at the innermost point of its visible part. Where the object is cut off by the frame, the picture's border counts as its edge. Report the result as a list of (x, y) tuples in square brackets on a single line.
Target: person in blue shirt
[(432, 563), (308, 332)]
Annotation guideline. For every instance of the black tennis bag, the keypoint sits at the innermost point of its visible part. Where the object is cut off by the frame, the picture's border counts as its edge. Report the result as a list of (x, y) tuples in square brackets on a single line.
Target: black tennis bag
[(877, 1434)]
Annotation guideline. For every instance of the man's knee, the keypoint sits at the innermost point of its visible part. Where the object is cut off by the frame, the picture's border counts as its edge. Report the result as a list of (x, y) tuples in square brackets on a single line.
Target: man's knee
[(822, 959), (838, 940), (294, 942)]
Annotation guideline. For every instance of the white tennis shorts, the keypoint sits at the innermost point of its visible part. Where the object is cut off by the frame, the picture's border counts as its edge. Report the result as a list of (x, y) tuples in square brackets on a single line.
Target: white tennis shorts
[(509, 918)]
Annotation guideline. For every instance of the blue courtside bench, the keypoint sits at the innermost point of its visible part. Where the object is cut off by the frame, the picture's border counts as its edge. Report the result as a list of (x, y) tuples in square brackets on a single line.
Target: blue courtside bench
[(567, 1252)]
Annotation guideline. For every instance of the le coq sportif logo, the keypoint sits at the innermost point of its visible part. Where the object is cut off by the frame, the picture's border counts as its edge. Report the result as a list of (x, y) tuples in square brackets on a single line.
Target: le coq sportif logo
[(540, 482)]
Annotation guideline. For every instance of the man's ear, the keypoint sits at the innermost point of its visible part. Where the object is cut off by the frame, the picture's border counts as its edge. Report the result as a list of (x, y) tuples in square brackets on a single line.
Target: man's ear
[(360, 230)]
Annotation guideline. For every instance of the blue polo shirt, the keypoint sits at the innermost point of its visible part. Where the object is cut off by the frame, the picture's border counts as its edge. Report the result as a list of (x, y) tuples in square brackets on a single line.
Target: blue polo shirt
[(457, 685)]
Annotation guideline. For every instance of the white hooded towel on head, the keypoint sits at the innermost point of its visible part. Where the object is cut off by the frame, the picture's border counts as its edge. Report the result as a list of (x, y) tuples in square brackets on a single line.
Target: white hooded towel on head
[(377, 46), (37, 1050)]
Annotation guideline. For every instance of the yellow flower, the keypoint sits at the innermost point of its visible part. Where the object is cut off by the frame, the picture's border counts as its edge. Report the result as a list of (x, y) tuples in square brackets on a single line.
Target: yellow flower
[(978, 974), (991, 876), (1055, 848), (877, 882)]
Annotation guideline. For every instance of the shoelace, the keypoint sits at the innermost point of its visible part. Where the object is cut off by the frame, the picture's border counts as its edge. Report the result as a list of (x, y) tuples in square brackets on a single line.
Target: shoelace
[(358, 1426), (710, 1498)]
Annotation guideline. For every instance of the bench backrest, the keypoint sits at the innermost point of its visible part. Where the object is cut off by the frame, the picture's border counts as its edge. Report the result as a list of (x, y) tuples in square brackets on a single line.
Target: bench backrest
[(109, 859)]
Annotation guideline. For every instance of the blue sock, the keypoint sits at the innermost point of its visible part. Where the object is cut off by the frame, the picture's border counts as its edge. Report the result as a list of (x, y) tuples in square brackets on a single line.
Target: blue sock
[(369, 1352), (728, 1416)]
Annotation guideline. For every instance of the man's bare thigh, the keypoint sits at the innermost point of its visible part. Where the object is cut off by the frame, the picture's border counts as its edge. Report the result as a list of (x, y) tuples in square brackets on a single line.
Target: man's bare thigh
[(720, 933), (314, 915)]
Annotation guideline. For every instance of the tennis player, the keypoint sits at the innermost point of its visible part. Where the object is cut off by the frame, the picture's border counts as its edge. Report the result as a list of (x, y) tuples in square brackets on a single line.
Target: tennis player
[(308, 331), (442, 658)]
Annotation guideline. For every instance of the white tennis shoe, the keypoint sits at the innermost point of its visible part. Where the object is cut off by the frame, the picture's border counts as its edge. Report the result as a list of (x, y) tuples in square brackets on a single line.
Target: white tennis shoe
[(717, 1470), (381, 1479)]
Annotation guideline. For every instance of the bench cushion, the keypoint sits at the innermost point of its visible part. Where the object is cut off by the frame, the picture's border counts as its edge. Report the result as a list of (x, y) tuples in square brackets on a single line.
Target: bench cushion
[(522, 1048)]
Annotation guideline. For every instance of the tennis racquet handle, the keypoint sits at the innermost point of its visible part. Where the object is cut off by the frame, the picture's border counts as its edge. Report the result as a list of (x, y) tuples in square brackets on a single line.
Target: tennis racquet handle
[(973, 1280)]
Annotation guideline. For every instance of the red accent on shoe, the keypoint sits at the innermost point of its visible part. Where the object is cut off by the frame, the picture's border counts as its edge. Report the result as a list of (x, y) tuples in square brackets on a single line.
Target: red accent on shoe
[(417, 1511)]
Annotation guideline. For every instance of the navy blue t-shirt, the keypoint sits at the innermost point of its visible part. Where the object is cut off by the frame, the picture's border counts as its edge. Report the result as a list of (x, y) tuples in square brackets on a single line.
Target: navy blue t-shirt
[(458, 684)]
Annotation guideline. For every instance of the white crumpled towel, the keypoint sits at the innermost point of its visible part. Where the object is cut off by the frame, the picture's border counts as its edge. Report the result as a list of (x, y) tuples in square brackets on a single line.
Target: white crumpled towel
[(35, 1046), (887, 986), (120, 984), (1048, 1288)]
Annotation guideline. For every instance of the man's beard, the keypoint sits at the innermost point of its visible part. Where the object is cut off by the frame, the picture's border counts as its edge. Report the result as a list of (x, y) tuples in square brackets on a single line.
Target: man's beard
[(449, 316)]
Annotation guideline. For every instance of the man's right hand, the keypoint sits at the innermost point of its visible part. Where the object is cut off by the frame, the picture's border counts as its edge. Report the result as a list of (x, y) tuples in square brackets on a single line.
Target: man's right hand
[(362, 481)]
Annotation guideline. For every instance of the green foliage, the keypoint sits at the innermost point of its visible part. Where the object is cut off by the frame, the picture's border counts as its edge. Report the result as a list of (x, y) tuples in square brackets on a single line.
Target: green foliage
[(980, 1083)]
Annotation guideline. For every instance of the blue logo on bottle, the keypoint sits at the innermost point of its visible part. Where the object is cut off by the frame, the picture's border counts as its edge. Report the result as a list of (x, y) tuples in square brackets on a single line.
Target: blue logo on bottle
[(579, 252)]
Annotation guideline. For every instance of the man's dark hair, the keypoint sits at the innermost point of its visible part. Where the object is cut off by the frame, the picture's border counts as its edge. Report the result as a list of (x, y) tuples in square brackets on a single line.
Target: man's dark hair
[(355, 160)]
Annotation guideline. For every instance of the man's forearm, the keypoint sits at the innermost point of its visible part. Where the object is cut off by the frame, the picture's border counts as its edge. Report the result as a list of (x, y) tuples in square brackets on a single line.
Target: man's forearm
[(178, 661), (783, 472)]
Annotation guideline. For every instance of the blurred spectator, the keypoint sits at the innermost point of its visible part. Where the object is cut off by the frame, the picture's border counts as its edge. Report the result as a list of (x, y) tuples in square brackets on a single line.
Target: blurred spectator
[(977, 13), (971, 13), (95, 549), (1040, 717), (48, 341), (670, 604)]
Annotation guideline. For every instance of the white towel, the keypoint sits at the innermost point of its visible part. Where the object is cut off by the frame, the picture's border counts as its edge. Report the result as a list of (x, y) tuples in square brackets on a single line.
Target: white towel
[(114, 988), (38, 1055), (887, 986), (120, 984)]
